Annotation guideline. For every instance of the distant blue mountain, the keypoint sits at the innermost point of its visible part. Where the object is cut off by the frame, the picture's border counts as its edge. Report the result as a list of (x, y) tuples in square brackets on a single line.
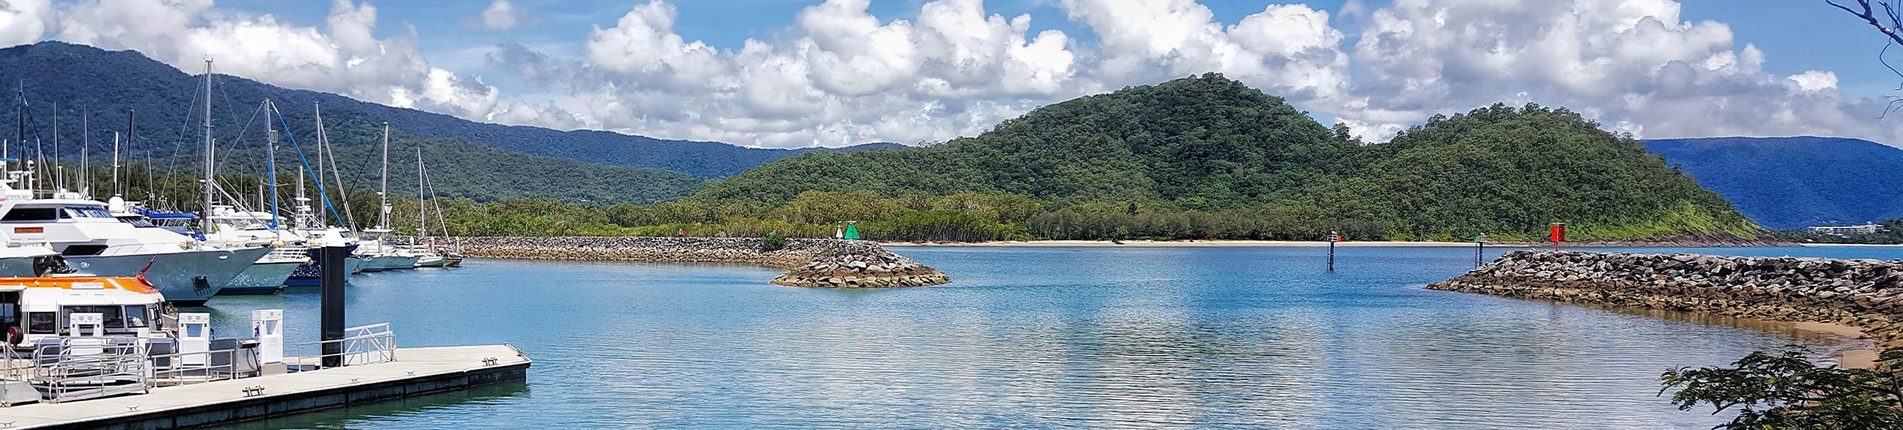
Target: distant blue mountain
[(1793, 182)]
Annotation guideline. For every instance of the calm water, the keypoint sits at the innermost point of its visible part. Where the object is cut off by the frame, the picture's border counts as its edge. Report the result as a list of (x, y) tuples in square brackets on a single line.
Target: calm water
[(1034, 337)]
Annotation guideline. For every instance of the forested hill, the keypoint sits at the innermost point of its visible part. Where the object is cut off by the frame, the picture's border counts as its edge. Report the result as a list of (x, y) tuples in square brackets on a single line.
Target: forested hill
[(1213, 149), (82, 79), (1795, 182)]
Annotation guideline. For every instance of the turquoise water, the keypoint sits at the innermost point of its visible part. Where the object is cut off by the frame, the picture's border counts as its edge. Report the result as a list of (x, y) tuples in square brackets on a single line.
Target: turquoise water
[(1034, 337)]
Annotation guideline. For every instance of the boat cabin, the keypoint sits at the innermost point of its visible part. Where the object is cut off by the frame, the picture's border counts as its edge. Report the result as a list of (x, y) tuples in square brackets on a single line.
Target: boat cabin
[(42, 307)]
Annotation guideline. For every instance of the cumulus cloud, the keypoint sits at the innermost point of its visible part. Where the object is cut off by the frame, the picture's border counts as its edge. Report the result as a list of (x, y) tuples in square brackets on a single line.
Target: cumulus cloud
[(501, 15), (839, 75), (343, 56), (842, 76), (1635, 65), (23, 21)]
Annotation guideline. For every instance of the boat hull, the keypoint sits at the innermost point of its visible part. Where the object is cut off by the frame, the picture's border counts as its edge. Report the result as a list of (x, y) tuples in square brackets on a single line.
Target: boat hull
[(17, 267), (432, 261), (381, 263), (185, 278), (261, 278), (311, 274)]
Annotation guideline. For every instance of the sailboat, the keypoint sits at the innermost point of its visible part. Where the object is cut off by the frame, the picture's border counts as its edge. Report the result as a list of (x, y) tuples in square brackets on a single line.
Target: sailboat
[(233, 227), (312, 225), (375, 246), (428, 254)]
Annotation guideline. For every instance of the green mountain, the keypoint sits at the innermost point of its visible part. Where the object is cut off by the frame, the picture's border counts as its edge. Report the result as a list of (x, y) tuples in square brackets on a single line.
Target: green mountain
[(1210, 157)]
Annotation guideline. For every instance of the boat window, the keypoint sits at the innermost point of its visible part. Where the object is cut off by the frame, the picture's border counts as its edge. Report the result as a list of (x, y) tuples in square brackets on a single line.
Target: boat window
[(83, 250), (114, 319), (137, 316), (9, 309), (85, 212), (40, 323), (31, 214)]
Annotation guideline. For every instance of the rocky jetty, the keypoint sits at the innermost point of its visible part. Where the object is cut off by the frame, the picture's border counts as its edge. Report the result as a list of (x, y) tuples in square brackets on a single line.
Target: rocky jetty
[(859, 264), (1866, 294), (813, 262)]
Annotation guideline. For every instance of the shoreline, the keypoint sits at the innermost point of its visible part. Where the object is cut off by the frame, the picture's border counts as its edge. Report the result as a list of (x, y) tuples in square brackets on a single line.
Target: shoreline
[(1320, 243)]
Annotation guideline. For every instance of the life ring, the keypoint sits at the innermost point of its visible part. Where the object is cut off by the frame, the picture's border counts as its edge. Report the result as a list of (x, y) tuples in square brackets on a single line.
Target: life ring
[(14, 337)]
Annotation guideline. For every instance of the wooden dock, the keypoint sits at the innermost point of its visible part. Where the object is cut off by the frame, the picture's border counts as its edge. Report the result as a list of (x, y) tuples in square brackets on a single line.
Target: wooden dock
[(416, 371)]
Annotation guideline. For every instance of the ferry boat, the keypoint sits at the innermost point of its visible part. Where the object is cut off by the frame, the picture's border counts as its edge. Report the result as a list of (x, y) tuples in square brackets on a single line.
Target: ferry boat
[(41, 307)]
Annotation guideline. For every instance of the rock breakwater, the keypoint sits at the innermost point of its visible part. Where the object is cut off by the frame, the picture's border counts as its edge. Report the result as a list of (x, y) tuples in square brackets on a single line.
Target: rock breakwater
[(1866, 294), (826, 263)]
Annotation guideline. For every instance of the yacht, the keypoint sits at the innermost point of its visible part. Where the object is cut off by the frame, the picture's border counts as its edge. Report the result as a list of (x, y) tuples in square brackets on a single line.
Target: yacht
[(235, 228), (92, 240)]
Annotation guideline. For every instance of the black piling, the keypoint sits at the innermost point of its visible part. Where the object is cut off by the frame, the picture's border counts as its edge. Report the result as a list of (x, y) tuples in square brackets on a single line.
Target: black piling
[(330, 260), (1333, 237)]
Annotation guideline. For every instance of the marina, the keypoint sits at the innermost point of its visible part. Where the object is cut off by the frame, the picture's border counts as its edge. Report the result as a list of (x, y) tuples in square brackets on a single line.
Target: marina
[(101, 300)]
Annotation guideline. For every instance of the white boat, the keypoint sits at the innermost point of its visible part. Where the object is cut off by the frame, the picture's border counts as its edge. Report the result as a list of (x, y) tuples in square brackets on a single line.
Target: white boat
[(374, 246), (38, 305), (93, 241), (234, 228), (426, 249)]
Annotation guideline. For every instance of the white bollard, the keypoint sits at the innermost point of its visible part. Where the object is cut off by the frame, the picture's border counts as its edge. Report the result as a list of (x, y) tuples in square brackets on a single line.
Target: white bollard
[(194, 338), (268, 326)]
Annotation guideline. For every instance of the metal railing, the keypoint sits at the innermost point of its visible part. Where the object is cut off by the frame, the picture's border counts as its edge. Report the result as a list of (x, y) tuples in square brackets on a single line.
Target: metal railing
[(89, 367), (76, 368), (182, 368), (365, 344)]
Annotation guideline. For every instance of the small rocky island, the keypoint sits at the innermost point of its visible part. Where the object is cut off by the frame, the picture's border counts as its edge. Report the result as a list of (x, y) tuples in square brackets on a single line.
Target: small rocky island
[(825, 263), (1866, 294)]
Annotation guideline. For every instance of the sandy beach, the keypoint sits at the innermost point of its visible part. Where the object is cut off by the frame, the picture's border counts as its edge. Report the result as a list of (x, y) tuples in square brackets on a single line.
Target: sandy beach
[(1202, 243)]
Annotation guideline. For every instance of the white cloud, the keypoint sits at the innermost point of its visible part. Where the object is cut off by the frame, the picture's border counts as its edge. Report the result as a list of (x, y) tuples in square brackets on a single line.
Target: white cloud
[(344, 56), (501, 15), (840, 75), (1635, 65), (23, 21), (1815, 81)]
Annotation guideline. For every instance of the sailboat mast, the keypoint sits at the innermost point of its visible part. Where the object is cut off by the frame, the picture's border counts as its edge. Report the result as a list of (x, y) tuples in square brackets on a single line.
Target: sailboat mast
[(271, 158), (85, 143), (323, 218), (204, 218), (118, 190), (422, 221), (383, 185), (302, 204)]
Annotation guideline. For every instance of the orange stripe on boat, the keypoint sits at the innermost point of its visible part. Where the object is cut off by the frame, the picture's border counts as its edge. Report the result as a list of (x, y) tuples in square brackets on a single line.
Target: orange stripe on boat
[(132, 284)]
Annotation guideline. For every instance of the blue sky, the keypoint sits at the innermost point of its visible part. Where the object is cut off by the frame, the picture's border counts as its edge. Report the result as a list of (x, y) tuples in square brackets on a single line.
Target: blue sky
[(791, 73)]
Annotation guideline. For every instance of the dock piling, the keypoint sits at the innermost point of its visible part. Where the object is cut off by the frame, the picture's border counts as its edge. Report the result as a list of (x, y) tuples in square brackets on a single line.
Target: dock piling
[(330, 261)]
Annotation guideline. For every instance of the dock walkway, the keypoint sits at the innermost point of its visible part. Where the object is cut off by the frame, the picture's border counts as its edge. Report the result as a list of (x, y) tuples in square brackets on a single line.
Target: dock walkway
[(416, 371)]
